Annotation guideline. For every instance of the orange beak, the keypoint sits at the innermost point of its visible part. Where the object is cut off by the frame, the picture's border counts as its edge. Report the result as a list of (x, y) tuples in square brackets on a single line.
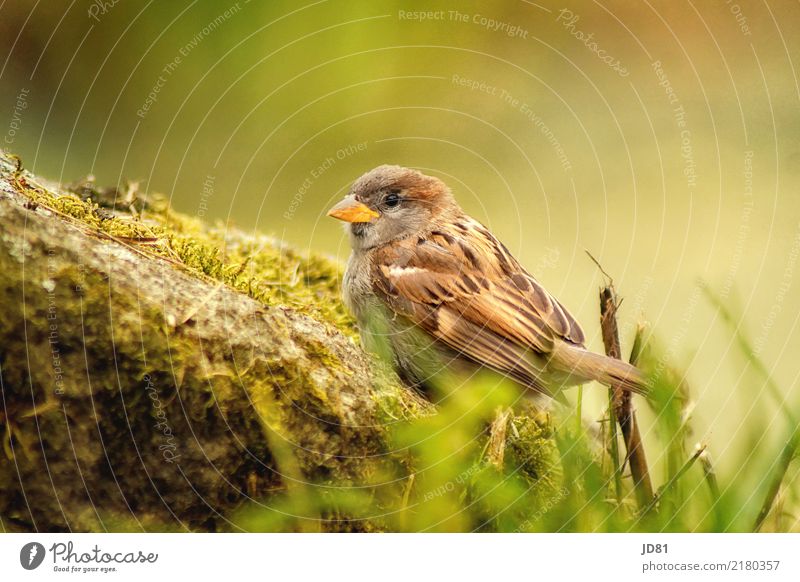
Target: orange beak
[(351, 210)]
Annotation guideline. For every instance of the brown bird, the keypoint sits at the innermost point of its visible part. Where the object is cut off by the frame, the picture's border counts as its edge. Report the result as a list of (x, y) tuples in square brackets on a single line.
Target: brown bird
[(431, 287)]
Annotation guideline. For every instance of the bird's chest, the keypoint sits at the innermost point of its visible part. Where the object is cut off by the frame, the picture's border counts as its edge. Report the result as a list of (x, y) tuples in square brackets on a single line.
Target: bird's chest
[(357, 288)]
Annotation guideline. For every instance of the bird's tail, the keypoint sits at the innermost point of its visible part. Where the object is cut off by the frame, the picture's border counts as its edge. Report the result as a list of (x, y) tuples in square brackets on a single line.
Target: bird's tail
[(583, 365)]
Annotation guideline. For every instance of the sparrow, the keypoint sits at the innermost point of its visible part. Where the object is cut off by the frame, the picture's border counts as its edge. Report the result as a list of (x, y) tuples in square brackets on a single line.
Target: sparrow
[(431, 287)]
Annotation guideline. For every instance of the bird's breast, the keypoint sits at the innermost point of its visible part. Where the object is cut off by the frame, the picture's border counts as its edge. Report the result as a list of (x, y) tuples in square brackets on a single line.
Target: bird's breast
[(356, 287)]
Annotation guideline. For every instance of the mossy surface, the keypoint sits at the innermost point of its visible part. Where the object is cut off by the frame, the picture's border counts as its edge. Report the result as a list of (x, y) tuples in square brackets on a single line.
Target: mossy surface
[(255, 264)]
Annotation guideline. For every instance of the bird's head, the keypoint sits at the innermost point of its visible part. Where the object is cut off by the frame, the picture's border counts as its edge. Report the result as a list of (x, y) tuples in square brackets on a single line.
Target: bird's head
[(391, 203)]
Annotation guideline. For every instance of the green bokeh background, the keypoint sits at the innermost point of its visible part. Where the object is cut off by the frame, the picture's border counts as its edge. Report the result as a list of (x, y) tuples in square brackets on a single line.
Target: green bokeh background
[(264, 95)]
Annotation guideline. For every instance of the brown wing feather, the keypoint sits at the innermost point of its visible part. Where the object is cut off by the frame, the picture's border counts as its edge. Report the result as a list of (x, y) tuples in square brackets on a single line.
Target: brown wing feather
[(487, 306)]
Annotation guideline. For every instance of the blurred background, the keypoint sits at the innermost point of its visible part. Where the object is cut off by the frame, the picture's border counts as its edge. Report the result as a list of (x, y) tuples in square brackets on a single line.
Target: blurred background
[(662, 137)]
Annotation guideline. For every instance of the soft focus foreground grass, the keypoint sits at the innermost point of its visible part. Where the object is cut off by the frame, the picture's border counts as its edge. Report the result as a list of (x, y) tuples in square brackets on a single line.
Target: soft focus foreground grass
[(448, 483)]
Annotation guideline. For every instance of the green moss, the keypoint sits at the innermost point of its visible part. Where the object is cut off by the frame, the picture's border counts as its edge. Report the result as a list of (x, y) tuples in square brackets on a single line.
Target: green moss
[(530, 448), (256, 265)]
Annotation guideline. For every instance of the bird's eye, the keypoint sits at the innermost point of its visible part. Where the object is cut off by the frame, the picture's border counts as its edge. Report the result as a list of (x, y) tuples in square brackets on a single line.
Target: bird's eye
[(392, 199)]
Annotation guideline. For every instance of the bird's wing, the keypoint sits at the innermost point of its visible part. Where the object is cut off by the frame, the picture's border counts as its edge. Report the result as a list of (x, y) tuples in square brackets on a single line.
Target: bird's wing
[(463, 287)]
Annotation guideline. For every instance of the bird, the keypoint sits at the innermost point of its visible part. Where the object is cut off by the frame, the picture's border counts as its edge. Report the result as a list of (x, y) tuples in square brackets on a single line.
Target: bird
[(432, 288)]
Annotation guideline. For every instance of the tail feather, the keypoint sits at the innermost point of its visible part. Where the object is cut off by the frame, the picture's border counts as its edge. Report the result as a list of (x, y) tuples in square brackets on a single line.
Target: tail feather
[(584, 365)]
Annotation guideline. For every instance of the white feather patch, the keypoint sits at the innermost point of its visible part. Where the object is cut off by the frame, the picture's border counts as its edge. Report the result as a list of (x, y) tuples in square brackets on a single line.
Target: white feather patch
[(395, 271)]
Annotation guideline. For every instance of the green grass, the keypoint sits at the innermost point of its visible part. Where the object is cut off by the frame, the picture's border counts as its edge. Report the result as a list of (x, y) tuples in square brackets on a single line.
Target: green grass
[(446, 482)]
